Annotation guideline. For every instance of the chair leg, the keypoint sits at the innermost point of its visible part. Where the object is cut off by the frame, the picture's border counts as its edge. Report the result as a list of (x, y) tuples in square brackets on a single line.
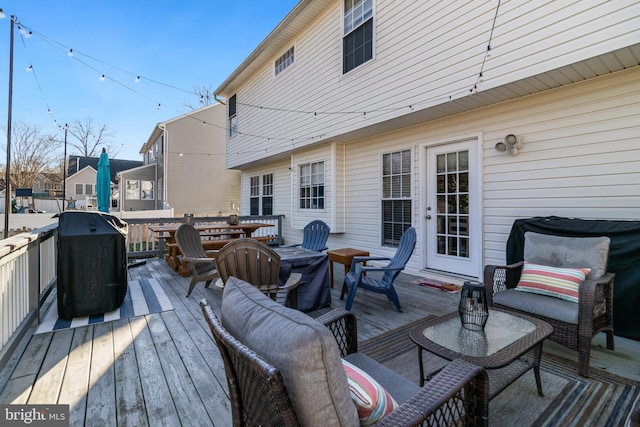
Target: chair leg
[(584, 355), (191, 286), (393, 296), (207, 283), (350, 296), (610, 345)]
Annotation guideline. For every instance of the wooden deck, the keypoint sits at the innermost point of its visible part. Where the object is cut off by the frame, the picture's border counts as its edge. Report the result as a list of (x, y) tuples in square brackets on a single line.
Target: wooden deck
[(164, 368)]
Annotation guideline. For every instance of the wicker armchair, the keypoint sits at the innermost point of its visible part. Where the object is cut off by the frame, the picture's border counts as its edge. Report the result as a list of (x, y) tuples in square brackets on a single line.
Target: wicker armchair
[(595, 301), (458, 395)]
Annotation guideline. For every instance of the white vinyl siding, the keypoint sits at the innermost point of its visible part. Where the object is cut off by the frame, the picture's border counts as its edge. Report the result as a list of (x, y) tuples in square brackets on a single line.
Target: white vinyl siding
[(424, 53)]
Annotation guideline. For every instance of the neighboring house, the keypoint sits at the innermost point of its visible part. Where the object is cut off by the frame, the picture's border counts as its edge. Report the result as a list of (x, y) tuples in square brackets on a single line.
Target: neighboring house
[(184, 168), (82, 175), (47, 182), (376, 115)]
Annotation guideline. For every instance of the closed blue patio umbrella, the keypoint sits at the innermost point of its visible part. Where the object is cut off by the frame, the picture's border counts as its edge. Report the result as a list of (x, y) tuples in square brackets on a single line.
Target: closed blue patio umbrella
[(103, 184)]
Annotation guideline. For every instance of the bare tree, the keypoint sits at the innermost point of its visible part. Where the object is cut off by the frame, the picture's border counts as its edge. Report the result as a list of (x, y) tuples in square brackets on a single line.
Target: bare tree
[(205, 94), (87, 137), (32, 152)]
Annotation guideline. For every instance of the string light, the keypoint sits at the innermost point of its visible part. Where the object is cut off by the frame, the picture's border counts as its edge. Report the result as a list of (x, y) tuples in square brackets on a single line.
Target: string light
[(316, 114), (29, 68)]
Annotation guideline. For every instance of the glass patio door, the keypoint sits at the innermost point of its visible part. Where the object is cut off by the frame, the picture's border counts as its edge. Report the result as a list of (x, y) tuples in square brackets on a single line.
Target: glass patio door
[(452, 213)]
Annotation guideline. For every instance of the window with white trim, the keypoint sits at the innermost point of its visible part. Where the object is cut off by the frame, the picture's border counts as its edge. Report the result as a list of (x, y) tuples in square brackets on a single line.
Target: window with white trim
[(357, 43), (261, 195), (284, 61), (233, 119), (396, 196), (79, 188), (311, 191)]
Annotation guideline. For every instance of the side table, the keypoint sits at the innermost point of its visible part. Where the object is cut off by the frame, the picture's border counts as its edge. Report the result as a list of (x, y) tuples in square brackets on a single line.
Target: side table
[(343, 256)]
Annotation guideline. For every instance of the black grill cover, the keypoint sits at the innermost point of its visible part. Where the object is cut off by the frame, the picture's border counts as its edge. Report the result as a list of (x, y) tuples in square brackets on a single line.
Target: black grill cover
[(624, 259), (92, 263)]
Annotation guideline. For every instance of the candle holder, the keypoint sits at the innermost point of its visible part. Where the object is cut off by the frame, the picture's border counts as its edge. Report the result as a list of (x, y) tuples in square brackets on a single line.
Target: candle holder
[(189, 219), (473, 308), (233, 220)]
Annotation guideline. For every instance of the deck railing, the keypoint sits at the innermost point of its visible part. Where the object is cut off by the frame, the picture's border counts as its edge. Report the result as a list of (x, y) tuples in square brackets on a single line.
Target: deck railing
[(28, 263), (27, 274)]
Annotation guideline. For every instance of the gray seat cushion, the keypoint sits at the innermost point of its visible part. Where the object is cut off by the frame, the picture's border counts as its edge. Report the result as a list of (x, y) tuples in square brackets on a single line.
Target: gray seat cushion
[(538, 305), (568, 252), (398, 386), (304, 351)]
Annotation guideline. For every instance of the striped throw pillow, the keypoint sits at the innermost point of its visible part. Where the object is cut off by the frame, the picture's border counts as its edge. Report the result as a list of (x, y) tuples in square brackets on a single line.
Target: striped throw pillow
[(371, 399), (552, 281)]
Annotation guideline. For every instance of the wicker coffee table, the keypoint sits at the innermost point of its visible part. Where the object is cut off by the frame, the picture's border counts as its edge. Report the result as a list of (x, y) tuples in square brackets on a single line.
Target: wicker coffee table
[(499, 348)]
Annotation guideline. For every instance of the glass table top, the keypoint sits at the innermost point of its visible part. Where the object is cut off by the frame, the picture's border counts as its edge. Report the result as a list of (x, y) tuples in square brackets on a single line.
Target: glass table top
[(501, 330)]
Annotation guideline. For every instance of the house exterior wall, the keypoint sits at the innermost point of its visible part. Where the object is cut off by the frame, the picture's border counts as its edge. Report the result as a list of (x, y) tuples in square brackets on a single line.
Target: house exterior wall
[(85, 176), (424, 53), (581, 158), (190, 154), (136, 176)]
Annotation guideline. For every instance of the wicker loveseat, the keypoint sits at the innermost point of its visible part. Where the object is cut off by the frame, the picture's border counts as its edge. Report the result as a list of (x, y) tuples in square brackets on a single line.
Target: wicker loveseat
[(574, 324), (284, 368)]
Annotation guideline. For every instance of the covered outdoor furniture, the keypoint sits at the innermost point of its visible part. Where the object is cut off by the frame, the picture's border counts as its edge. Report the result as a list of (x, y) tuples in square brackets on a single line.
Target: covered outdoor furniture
[(574, 323), (315, 236), (301, 380), (356, 277), (202, 267), (258, 264)]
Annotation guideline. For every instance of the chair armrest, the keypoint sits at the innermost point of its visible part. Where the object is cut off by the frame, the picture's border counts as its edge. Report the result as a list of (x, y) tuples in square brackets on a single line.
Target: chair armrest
[(197, 259), (358, 259), (292, 282), (344, 326), (459, 387), (501, 277), (594, 292)]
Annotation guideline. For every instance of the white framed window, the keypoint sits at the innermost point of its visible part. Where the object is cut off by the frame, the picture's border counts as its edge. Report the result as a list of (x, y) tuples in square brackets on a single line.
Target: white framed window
[(357, 43), (396, 196), (146, 190), (261, 195), (132, 190), (88, 189), (79, 188), (311, 191), (284, 61), (233, 119)]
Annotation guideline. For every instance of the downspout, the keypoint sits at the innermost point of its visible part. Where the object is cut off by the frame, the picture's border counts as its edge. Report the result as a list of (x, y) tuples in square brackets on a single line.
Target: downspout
[(165, 168)]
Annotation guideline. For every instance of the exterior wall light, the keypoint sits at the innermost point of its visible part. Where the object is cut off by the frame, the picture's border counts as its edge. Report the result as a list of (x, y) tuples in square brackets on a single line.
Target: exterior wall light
[(511, 144)]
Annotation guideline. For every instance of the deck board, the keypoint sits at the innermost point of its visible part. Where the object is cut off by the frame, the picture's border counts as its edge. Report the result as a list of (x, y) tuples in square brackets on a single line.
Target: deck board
[(164, 369), (76, 381)]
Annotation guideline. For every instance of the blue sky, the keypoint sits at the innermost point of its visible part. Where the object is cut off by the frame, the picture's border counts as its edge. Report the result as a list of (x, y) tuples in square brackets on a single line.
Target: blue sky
[(180, 44)]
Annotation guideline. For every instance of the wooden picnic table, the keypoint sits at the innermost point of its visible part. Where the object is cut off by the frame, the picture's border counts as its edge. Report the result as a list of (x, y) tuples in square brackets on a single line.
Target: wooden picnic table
[(215, 236)]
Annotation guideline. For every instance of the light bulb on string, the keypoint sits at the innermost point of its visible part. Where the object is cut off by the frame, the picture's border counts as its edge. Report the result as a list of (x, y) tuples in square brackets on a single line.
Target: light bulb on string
[(30, 68), (158, 106), (70, 53), (102, 78), (137, 80)]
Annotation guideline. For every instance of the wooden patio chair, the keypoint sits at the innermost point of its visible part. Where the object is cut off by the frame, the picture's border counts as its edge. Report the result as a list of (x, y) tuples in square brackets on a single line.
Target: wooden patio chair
[(258, 264), (457, 395), (574, 323), (356, 278), (202, 267)]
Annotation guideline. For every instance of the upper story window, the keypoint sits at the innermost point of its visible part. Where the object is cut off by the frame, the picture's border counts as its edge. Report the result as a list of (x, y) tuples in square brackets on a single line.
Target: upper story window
[(396, 196), (312, 185), (284, 61), (357, 44), (233, 119)]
